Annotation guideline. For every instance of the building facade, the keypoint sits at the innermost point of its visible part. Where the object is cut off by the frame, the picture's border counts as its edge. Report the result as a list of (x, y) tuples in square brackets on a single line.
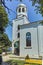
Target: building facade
[(27, 38), (21, 19), (31, 40)]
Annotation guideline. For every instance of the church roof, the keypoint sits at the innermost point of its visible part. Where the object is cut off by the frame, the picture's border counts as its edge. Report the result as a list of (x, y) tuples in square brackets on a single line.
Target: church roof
[(36, 23), (21, 5)]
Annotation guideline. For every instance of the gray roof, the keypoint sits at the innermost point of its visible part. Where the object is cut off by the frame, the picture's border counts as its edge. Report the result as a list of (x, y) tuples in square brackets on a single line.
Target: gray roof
[(31, 24), (36, 22)]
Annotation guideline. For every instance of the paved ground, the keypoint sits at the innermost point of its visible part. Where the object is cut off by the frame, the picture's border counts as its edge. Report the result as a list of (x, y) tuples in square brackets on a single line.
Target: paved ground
[(5, 58), (4, 63), (9, 57)]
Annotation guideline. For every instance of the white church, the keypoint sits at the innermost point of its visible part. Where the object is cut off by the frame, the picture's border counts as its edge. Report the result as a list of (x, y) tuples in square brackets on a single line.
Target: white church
[(27, 38)]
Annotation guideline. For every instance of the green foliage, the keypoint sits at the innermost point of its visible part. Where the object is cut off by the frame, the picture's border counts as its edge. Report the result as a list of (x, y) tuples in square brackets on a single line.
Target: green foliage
[(4, 40), (19, 62), (0, 51), (3, 17), (41, 22), (39, 6), (27, 57)]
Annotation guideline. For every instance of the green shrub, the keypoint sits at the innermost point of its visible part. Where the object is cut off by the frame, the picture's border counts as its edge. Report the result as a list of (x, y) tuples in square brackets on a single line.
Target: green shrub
[(0, 51), (27, 57)]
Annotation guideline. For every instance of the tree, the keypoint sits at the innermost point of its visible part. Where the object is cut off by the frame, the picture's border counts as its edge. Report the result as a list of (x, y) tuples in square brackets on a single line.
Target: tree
[(39, 6), (3, 19), (37, 3), (4, 40), (2, 2)]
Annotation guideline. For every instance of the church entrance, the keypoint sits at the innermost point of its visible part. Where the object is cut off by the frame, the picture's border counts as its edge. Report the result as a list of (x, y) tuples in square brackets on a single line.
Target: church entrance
[(16, 48)]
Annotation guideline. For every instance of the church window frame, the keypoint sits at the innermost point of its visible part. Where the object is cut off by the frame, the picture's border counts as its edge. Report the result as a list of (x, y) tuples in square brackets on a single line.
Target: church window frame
[(19, 10), (28, 39), (18, 35), (23, 10), (18, 27)]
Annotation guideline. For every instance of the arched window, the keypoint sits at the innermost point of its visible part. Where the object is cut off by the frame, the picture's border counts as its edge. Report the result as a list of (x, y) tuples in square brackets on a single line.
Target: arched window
[(16, 48), (19, 9), (16, 44), (18, 35), (28, 39), (23, 10), (18, 27)]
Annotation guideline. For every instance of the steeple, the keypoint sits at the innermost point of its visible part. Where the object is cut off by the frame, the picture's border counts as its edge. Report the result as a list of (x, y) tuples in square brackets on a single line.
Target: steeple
[(21, 10)]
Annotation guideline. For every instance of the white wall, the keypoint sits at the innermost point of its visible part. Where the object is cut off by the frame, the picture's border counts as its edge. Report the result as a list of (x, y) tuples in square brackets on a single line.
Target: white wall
[(16, 22), (40, 36), (15, 26), (33, 51)]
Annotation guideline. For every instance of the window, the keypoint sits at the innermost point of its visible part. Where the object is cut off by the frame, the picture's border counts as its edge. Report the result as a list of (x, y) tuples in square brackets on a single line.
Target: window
[(18, 35), (28, 39), (16, 48), (16, 44), (19, 9), (23, 10), (18, 27)]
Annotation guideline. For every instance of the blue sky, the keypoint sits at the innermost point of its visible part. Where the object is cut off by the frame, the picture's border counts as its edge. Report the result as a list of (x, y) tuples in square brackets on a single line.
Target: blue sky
[(32, 16)]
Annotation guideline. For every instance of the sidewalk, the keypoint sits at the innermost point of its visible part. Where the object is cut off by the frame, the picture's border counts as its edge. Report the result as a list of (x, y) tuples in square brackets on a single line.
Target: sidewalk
[(11, 57), (6, 58)]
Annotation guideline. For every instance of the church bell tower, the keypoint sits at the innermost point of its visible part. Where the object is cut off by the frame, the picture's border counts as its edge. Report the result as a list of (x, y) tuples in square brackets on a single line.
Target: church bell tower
[(21, 10), (21, 19)]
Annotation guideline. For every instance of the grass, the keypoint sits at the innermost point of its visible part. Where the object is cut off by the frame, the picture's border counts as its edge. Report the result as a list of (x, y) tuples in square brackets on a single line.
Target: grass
[(19, 62)]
